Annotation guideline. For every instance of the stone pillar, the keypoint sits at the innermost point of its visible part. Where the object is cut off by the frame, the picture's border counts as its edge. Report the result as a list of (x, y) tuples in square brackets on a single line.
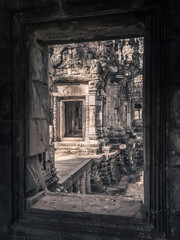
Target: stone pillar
[(82, 184), (92, 117), (95, 72), (88, 181), (87, 118), (77, 186), (55, 118), (72, 111), (129, 113), (50, 133), (58, 120), (62, 119), (100, 118)]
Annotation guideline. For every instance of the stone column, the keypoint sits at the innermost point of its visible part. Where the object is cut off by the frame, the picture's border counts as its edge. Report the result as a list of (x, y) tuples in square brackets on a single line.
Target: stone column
[(88, 181), (101, 118), (95, 73), (58, 119), (82, 184), (129, 113), (55, 118), (77, 186), (50, 133), (62, 119), (92, 117), (87, 119)]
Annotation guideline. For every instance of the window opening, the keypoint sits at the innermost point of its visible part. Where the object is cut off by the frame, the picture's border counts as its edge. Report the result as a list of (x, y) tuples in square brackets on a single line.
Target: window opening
[(95, 100), (108, 76)]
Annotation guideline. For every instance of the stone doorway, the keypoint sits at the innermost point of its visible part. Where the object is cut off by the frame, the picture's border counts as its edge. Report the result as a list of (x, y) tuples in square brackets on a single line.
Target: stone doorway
[(73, 119)]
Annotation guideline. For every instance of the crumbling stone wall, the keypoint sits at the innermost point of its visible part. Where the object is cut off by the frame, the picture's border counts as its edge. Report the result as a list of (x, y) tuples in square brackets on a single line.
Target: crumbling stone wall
[(40, 169)]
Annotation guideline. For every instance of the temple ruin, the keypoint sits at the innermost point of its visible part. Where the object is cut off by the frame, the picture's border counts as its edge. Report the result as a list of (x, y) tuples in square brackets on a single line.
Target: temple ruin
[(84, 126), (96, 102)]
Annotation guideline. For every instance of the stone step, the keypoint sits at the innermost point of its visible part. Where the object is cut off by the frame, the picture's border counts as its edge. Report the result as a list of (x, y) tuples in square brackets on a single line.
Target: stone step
[(65, 152), (78, 151), (69, 144), (71, 139), (67, 148), (80, 144), (89, 150)]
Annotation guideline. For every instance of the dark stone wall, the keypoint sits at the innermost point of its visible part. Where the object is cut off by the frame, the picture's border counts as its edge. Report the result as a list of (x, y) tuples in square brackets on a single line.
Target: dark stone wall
[(12, 94), (174, 74)]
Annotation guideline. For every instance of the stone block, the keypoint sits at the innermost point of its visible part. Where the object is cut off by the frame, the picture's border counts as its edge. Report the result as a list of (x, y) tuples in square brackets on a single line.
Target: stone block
[(70, 90), (38, 140), (39, 100)]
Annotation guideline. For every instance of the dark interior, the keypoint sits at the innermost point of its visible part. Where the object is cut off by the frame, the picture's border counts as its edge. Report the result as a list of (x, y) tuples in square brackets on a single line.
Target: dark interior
[(73, 119)]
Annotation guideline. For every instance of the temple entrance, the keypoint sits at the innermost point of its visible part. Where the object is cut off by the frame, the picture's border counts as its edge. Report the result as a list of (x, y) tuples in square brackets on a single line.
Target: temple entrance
[(73, 119)]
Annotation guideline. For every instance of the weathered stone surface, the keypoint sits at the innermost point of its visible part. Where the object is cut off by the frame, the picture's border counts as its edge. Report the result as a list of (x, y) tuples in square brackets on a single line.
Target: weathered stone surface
[(34, 177), (38, 137), (38, 102), (175, 147), (109, 205), (65, 90), (175, 114), (175, 186), (37, 64)]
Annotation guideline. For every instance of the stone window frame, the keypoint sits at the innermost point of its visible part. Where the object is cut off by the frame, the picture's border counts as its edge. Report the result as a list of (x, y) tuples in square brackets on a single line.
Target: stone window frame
[(156, 192)]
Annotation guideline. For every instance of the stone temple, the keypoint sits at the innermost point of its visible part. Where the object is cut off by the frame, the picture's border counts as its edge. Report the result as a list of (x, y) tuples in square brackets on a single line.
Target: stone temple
[(96, 110), (90, 120)]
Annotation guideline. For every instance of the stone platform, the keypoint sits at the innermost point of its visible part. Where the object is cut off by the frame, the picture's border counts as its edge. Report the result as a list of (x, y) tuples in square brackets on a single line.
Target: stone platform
[(93, 204), (72, 169), (92, 217)]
